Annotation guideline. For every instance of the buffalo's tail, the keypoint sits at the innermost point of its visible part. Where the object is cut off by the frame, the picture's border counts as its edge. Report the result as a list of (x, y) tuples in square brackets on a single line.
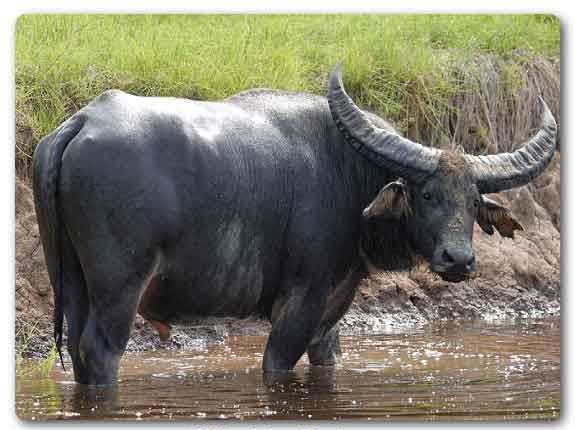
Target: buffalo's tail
[(46, 179)]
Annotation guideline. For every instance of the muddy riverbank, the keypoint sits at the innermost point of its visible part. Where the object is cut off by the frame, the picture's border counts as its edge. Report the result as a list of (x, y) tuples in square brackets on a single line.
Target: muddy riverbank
[(517, 278)]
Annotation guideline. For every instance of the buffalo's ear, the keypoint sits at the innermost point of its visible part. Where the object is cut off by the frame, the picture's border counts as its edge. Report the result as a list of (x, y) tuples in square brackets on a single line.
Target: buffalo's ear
[(390, 204), (492, 214), (385, 229)]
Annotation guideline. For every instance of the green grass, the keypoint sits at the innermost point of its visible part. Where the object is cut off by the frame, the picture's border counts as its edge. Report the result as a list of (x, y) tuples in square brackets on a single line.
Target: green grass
[(27, 333), (63, 61)]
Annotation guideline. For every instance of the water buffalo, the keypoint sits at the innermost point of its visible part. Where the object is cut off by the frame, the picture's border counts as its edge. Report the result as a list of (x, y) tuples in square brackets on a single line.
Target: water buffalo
[(254, 205)]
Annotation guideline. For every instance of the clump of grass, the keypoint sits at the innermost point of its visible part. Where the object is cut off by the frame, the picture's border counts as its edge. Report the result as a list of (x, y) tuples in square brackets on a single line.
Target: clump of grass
[(406, 68), (28, 334), (495, 107)]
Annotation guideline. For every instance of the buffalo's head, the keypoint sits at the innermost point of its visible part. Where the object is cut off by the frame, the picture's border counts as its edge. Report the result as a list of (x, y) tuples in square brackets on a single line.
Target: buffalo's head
[(430, 211), (433, 219)]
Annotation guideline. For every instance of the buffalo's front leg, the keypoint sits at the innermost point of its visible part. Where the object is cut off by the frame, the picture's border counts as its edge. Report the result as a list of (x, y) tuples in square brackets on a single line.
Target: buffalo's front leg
[(295, 320), (325, 350)]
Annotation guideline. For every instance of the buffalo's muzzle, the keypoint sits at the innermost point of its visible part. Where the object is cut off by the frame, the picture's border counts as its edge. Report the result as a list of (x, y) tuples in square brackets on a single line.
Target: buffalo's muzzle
[(454, 264)]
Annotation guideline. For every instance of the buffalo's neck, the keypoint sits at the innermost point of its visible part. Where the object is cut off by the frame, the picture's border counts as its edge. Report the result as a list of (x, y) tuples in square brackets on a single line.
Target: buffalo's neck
[(358, 182), (361, 178)]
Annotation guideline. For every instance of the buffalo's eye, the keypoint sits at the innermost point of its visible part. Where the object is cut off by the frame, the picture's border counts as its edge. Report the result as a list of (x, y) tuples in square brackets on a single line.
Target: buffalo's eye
[(426, 196), (476, 203)]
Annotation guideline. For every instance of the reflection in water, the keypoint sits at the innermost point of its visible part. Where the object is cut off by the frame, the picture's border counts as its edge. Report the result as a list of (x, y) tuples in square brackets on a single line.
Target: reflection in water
[(449, 371), (100, 401)]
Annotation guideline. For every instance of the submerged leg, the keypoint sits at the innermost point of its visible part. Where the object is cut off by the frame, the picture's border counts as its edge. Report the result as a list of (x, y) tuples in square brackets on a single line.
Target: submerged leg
[(114, 286), (106, 334), (76, 303), (325, 350), (295, 321)]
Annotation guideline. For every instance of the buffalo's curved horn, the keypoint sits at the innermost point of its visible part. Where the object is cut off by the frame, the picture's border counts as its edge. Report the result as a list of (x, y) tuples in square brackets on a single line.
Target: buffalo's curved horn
[(383, 147), (494, 173)]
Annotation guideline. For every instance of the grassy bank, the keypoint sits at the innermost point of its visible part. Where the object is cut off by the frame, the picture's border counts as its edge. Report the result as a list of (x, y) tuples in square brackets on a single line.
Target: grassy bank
[(417, 70)]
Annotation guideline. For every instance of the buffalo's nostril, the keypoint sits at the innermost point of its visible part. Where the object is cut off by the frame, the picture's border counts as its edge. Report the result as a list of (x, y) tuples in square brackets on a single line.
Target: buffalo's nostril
[(447, 257), (458, 260)]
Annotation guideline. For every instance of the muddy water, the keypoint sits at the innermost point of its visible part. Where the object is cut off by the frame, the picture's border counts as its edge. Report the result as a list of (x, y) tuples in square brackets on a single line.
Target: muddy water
[(447, 371)]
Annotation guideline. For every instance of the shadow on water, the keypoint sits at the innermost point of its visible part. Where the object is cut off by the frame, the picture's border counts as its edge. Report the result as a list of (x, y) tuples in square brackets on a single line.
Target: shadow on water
[(463, 371)]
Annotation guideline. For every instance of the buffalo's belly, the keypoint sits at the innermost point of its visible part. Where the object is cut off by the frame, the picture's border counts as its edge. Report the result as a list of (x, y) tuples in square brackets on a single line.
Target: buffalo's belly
[(173, 301), (206, 287)]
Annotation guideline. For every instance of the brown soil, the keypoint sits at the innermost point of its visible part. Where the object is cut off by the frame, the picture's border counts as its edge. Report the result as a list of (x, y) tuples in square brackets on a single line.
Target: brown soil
[(34, 300), (518, 278)]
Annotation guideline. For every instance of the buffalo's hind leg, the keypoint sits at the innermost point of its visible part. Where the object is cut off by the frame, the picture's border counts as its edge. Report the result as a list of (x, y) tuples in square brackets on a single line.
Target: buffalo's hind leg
[(114, 295), (76, 304)]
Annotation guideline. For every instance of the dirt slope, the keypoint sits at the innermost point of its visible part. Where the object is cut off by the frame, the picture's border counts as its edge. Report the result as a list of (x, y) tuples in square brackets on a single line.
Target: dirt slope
[(33, 292)]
